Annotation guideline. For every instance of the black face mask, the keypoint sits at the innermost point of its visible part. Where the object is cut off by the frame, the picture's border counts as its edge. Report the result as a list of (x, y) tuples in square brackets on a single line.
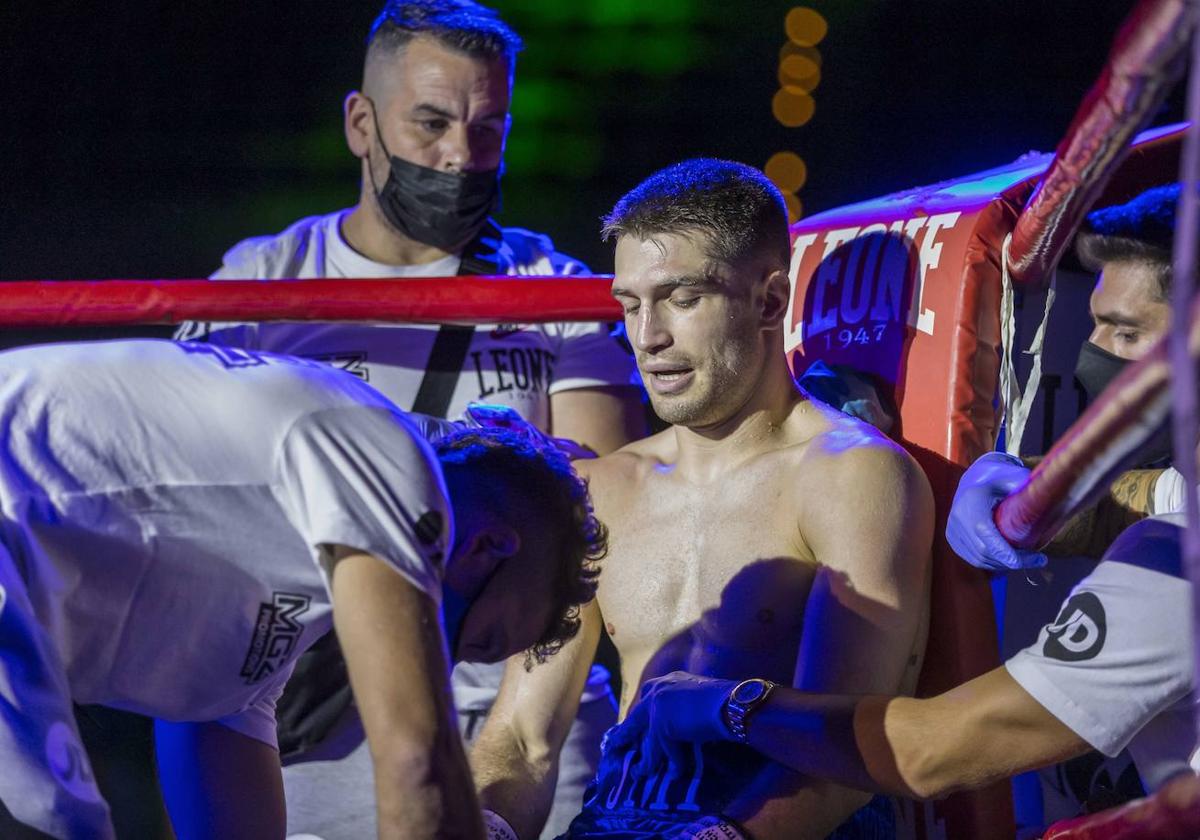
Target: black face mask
[(437, 208), (1095, 369)]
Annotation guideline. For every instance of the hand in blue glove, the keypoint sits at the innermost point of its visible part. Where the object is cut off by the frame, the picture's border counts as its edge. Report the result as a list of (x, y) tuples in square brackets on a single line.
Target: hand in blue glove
[(849, 391), (491, 416), (672, 712), (971, 530)]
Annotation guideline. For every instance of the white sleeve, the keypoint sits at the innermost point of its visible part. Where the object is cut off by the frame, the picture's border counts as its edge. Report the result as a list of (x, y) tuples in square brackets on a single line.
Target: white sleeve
[(257, 721), (1118, 654), (363, 478), (1168, 492), (590, 355)]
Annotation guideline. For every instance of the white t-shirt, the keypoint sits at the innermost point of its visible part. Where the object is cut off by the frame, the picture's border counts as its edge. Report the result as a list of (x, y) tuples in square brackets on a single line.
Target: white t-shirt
[(1168, 492), (1116, 664), (519, 365), (172, 503)]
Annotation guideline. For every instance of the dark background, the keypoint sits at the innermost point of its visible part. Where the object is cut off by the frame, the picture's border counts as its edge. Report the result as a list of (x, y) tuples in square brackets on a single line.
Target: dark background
[(142, 139)]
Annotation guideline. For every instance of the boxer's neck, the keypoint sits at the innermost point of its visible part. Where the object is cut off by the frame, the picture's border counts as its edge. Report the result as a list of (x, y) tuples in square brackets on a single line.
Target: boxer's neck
[(757, 426)]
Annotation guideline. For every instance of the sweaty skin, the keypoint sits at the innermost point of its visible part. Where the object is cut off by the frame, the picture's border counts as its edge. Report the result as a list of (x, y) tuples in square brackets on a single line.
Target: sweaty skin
[(762, 534), (712, 576)]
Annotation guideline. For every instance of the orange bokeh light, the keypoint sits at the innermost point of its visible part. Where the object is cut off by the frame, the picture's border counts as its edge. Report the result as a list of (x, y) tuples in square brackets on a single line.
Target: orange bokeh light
[(805, 26), (787, 171), (811, 53), (793, 107), (799, 72)]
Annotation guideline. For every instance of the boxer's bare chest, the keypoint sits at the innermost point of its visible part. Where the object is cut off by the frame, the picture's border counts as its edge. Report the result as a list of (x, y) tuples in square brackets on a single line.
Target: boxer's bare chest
[(709, 578)]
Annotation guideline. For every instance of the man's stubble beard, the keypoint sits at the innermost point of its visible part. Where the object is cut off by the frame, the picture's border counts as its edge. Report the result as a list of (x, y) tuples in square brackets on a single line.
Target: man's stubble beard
[(722, 395)]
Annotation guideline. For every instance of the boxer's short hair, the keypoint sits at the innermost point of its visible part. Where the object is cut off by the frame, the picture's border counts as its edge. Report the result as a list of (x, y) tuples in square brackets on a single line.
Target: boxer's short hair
[(735, 206), (534, 486), (1141, 230), (460, 25)]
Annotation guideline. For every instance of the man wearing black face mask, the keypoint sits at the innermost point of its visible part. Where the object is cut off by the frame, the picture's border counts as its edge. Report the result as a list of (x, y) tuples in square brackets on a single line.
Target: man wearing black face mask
[(429, 127), (1129, 245)]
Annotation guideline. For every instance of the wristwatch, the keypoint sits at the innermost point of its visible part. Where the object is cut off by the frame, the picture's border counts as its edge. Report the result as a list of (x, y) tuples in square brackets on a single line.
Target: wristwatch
[(742, 702)]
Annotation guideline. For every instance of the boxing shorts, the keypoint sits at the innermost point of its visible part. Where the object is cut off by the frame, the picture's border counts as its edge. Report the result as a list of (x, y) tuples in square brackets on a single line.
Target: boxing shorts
[(621, 804)]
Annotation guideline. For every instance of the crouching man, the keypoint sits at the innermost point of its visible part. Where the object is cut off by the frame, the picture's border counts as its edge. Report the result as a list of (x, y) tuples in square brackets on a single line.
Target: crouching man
[(176, 568)]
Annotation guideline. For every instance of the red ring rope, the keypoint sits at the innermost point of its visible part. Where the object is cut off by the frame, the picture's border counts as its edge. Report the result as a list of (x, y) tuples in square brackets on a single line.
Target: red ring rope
[(427, 300), (1143, 65)]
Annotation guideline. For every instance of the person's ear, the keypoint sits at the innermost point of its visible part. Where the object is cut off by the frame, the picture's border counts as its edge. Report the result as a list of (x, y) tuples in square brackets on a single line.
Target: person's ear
[(501, 540), (777, 292), (358, 123), (481, 553)]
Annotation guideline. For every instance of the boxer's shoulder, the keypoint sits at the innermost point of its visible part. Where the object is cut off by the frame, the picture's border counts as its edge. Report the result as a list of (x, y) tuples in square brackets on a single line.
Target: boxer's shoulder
[(851, 457)]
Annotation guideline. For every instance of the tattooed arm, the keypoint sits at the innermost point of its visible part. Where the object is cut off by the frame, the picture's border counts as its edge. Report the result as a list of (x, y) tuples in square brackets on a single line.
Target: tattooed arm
[(1090, 532)]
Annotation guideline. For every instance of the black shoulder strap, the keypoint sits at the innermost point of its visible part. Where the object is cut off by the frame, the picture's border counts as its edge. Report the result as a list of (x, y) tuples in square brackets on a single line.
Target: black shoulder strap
[(452, 341)]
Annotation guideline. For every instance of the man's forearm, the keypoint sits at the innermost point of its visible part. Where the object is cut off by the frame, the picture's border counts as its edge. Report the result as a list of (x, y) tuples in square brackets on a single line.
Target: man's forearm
[(426, 796), (517, 786), (985, 730)]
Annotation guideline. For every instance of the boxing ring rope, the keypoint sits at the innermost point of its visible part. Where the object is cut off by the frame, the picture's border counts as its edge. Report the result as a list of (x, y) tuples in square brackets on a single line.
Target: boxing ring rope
[(420, 300), (1094, 449), (1144, 63)]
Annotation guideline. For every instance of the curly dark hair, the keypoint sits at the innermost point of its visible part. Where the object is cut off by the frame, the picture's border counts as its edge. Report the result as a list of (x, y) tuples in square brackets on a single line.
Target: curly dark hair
[(461, 25), (1141, 230), (524, 481), (736, 205)]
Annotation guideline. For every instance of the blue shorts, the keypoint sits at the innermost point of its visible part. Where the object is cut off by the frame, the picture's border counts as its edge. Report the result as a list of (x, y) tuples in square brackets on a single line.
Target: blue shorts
[(620, 804)]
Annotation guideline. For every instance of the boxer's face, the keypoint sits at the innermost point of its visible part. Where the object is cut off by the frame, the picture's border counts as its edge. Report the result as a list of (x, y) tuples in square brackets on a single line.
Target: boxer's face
[(436, 107), (1127, 309), (693, 324)]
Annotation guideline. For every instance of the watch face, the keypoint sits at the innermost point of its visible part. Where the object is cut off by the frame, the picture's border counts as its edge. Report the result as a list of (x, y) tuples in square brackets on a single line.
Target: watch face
[(749, 691)]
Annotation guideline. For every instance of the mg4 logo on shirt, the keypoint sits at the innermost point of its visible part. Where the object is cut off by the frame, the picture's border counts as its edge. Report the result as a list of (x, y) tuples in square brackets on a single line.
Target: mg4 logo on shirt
[(275, 635)]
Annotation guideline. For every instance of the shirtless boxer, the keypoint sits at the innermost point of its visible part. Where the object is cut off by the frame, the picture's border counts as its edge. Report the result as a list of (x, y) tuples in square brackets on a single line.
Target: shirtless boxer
[(761, 534)]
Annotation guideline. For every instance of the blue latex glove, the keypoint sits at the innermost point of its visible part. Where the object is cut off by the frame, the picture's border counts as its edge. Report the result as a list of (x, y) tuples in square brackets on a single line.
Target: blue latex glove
[(491, 416), (848, 390), (671, 713), (971, 529)]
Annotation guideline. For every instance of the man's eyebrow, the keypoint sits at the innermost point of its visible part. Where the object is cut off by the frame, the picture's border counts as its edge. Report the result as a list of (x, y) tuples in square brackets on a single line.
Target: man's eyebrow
[(428, 109), (1116, 319), (699, 282)]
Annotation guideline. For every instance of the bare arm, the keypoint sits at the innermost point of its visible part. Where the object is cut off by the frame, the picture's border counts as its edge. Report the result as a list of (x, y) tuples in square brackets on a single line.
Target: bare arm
[(515, 758), (983, 731), (604, 419), (219, 783), (392, 638), (870, 530)]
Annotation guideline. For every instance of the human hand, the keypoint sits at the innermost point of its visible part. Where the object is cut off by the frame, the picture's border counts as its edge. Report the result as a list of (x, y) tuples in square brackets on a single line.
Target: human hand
[(971, 529), (849, 391), (491, 416), (671, 712)]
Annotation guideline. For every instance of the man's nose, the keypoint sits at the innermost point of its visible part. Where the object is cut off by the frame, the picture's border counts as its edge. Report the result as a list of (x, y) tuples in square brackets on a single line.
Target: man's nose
[(1101, 337), (650, 333), (457, 156)]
